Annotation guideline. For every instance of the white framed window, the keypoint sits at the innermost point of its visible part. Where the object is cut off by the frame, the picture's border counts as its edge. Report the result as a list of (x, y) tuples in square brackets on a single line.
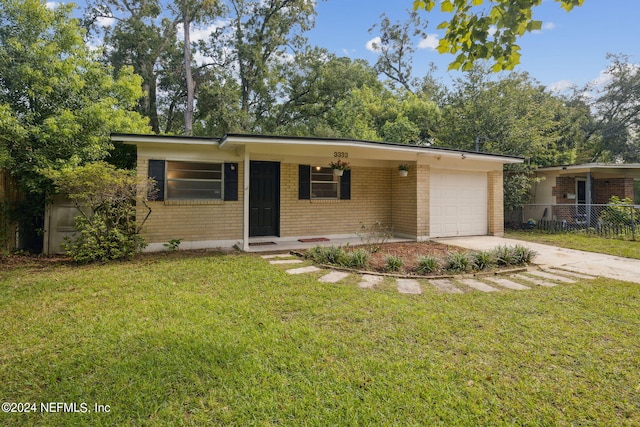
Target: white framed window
[(324, 184), (194, 181)]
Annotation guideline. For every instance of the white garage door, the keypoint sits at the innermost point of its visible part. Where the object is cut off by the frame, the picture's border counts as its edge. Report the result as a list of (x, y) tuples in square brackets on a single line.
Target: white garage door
[(459, 204)]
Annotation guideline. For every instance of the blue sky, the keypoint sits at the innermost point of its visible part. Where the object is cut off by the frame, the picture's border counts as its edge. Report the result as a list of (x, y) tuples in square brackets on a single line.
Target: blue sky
[(571, 48)]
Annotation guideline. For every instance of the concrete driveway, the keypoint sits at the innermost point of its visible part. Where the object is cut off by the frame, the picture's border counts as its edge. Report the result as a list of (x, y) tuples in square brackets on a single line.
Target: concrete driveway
[(569, 259)]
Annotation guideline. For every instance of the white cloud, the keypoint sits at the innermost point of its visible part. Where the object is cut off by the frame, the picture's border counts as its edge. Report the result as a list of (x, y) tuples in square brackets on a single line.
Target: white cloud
[(603, 78), (561, 86), (105, 22), (201, 33), (51, 5), (431, 42), (348, 52), (373, 45)]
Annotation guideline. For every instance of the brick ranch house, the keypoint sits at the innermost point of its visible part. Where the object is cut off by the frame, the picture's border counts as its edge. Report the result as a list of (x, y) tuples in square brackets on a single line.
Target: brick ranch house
[(249, 189), (572, 186)]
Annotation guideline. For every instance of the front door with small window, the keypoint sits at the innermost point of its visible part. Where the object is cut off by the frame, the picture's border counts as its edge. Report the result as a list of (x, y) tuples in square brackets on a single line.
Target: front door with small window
[(264, 199)]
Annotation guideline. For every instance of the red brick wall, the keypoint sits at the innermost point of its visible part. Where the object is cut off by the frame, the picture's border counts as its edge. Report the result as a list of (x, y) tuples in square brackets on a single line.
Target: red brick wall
[(605, 188), (564, 185)]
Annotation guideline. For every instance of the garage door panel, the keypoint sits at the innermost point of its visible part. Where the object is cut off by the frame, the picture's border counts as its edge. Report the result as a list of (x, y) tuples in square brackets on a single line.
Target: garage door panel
[(458, 204)]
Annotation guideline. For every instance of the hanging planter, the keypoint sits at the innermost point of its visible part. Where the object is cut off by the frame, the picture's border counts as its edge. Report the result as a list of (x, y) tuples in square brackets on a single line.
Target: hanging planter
[(403, 169), (339, 167)]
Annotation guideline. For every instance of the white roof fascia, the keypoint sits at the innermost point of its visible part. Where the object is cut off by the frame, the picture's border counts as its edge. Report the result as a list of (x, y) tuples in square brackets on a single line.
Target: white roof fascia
[(452, 153), (160, 139), (591, 166)]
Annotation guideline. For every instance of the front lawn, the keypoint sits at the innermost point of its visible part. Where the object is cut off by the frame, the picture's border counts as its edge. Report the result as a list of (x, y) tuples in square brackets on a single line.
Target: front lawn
[(580, 241), (231, 340)]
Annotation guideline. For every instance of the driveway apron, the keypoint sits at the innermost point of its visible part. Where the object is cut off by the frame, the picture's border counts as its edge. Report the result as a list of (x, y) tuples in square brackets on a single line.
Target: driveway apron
[(609, 266)]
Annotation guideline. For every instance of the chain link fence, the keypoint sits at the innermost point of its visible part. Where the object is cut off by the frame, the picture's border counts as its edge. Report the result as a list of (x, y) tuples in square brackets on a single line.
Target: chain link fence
[(611, 220)]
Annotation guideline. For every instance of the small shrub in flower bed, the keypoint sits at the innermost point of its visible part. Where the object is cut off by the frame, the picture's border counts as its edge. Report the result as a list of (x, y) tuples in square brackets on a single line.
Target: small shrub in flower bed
[(333, 255), (428, 264), (393, 263)]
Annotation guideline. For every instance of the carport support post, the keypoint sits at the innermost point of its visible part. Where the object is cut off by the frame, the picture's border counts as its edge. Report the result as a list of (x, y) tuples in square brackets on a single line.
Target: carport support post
[(245, 208)]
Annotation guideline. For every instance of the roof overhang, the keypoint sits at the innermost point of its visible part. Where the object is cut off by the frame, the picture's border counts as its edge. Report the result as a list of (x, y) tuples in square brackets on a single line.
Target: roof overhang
[(603, 169), (383, 148), (266, 143), (134, 139)]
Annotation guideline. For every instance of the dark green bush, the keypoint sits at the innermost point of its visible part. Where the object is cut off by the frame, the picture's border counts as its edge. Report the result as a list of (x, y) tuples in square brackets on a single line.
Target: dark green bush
[(106, 198), (393, 263), (428, 264), (482, 260), (457, 262)]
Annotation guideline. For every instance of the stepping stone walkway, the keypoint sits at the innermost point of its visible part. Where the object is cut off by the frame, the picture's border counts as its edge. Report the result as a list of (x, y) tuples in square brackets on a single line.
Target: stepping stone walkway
[(445, 285), (478, 285), (535, 281), (408, 286), (285, 261), (333, 277), (370, 281), (272, 256), (506, 283), (302, 270), (548, 278)]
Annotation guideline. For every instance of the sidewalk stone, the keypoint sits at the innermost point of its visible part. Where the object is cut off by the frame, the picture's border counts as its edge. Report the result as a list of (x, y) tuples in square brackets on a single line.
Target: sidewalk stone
[(408, 286), (333, 277), (285, 261), (535, 281), (507, 283), (550, 276), (277, 256), (478, 285), (302, 270), (370, 281), (445, 285)]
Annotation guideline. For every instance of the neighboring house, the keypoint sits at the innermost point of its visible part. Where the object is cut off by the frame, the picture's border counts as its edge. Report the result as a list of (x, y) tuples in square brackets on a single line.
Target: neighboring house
[(563, 191), (247, 189)]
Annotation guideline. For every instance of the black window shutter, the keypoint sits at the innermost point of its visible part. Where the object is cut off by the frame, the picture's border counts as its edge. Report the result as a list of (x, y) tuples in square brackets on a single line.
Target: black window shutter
[(304, 182), (345, 185), (230, 181), (156, 171)]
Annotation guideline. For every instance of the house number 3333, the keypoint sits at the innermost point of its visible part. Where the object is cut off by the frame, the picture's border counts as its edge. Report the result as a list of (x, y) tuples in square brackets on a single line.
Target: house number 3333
[(341, 154)]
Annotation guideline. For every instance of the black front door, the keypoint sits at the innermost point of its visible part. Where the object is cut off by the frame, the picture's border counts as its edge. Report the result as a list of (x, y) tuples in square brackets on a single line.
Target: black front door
[(264, 199)]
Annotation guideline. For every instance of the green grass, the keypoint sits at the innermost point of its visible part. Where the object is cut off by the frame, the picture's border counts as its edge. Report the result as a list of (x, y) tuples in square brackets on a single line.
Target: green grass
[(622, 248), (232, 340)]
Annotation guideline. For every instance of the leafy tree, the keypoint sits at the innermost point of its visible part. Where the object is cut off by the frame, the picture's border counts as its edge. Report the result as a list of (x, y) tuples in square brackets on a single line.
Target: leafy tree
[(106, 199), (614, 134), (477, 32), (260, 35), (311, 87), (396, 47), (58, 104), (189, 12), (140, 38), (513, 115), (375, 113)]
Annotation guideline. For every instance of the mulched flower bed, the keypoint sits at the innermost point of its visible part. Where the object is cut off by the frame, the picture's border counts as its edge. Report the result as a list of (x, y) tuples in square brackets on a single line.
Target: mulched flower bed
[(410, 254)]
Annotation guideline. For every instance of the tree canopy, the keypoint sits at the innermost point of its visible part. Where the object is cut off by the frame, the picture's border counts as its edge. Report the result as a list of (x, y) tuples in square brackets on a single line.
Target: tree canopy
[(58, 103)]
